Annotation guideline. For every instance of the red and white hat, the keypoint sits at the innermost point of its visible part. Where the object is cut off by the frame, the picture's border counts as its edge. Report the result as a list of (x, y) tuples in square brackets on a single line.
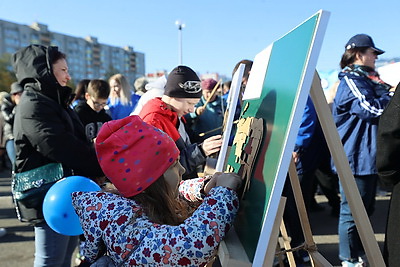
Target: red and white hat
[(134, 154)]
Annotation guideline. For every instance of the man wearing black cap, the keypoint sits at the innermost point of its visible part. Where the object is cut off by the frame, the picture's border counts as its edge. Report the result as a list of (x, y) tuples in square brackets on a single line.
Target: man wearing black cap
[(182, 92), (359, 102), (8, 112)]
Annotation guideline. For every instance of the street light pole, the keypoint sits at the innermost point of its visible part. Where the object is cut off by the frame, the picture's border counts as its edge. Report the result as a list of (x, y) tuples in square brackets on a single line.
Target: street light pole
[(180, 26)]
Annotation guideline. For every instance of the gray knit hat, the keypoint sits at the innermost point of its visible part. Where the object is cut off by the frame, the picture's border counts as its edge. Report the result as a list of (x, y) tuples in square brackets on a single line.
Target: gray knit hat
[(16, 88)]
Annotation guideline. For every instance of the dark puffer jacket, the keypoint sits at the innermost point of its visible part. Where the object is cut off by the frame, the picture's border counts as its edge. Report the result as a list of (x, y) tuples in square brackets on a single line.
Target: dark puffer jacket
[(387, 163), (45, 129)]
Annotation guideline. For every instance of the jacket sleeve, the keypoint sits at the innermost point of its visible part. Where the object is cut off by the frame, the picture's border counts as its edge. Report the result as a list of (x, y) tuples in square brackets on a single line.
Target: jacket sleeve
[(88, 206), (191, 155), (307, 126), (192, 189), (388, 142), (360, 98)]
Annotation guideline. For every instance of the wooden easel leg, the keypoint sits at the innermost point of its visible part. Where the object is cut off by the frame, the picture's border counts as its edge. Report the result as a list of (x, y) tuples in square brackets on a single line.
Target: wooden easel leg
[(270, 253), (286, 243), (301, 208), (310, 247)]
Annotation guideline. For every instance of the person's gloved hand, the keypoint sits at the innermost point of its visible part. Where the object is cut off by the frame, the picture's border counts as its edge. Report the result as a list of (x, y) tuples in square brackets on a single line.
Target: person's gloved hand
[(230, 180)]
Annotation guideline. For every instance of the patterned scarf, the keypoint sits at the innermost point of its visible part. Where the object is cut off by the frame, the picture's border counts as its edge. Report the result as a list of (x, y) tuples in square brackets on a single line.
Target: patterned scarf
[(368, 72)]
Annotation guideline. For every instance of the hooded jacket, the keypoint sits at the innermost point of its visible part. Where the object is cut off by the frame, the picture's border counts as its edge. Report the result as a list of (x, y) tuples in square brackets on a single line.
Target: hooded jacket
[(46, 130), (155, 112)]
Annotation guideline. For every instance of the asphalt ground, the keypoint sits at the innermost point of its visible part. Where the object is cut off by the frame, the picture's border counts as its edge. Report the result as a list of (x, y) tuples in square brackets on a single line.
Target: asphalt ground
[(17, 246)]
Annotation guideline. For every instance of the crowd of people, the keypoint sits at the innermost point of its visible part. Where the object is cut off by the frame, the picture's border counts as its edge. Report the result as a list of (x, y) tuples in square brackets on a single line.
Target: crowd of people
[(148, 146)]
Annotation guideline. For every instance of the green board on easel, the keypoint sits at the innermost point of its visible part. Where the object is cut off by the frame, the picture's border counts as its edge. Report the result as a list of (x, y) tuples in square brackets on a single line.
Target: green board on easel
[(276, 92)]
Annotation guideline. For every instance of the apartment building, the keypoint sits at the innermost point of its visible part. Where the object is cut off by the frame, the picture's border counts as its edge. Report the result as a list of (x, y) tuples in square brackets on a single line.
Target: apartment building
[(87, 58)]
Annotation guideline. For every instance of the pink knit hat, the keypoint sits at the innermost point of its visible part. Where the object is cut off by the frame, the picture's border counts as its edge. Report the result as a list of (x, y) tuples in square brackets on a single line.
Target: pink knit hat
[(134, 154), (208, 84)]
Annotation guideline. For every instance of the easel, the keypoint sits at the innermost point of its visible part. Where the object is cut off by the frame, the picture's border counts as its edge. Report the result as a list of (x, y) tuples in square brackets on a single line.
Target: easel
[(231, 252), (309, 245)]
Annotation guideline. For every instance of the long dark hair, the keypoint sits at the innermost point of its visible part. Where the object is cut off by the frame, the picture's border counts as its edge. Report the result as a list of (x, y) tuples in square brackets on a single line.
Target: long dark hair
[(349, 56), (161, 205), (80, 89)]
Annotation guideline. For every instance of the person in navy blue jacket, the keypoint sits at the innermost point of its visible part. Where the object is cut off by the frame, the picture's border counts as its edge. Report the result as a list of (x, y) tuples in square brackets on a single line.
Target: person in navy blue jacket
[(359, 102), (307, 151)]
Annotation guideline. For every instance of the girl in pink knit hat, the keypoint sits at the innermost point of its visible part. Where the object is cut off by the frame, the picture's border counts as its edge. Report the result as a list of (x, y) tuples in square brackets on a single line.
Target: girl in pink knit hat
[(144, 220)]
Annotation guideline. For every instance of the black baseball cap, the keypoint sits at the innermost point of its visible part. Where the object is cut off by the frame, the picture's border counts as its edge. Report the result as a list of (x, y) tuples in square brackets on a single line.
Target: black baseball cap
[(363, 40)]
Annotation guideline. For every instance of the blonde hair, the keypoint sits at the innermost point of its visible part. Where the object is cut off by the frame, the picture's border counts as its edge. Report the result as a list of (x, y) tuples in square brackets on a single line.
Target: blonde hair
[(125, 93)]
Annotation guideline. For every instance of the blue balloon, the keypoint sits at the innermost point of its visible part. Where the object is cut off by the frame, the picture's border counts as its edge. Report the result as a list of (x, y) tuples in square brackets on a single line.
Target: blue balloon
[(57, 205)]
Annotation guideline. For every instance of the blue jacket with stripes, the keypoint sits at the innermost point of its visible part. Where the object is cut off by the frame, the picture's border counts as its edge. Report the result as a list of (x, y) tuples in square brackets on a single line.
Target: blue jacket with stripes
[(357, 106)]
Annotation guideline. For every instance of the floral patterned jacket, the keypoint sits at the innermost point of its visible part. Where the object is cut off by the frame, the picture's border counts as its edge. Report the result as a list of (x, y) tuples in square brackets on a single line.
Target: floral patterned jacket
[(120, 224)]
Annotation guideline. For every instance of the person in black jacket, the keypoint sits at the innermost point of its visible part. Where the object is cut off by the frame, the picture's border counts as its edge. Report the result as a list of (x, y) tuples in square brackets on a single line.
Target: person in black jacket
[(387, 163), (46, 130), (8, 112), (91, 112)]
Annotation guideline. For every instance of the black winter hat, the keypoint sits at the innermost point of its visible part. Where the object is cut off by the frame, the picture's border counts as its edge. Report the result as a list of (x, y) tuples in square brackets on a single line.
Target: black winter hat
[(183, 82)]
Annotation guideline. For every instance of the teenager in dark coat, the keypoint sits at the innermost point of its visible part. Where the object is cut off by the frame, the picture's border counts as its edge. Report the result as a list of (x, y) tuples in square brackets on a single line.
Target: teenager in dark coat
[(388, 165)]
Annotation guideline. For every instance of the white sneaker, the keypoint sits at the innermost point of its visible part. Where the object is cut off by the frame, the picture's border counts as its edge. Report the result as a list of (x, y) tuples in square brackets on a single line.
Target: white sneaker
[(3, 232), (351, 264), (363, 262)]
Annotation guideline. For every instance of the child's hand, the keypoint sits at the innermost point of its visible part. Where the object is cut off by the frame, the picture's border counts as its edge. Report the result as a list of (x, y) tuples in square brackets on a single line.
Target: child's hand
[(229, 180), (199, 110), (212, 144)]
